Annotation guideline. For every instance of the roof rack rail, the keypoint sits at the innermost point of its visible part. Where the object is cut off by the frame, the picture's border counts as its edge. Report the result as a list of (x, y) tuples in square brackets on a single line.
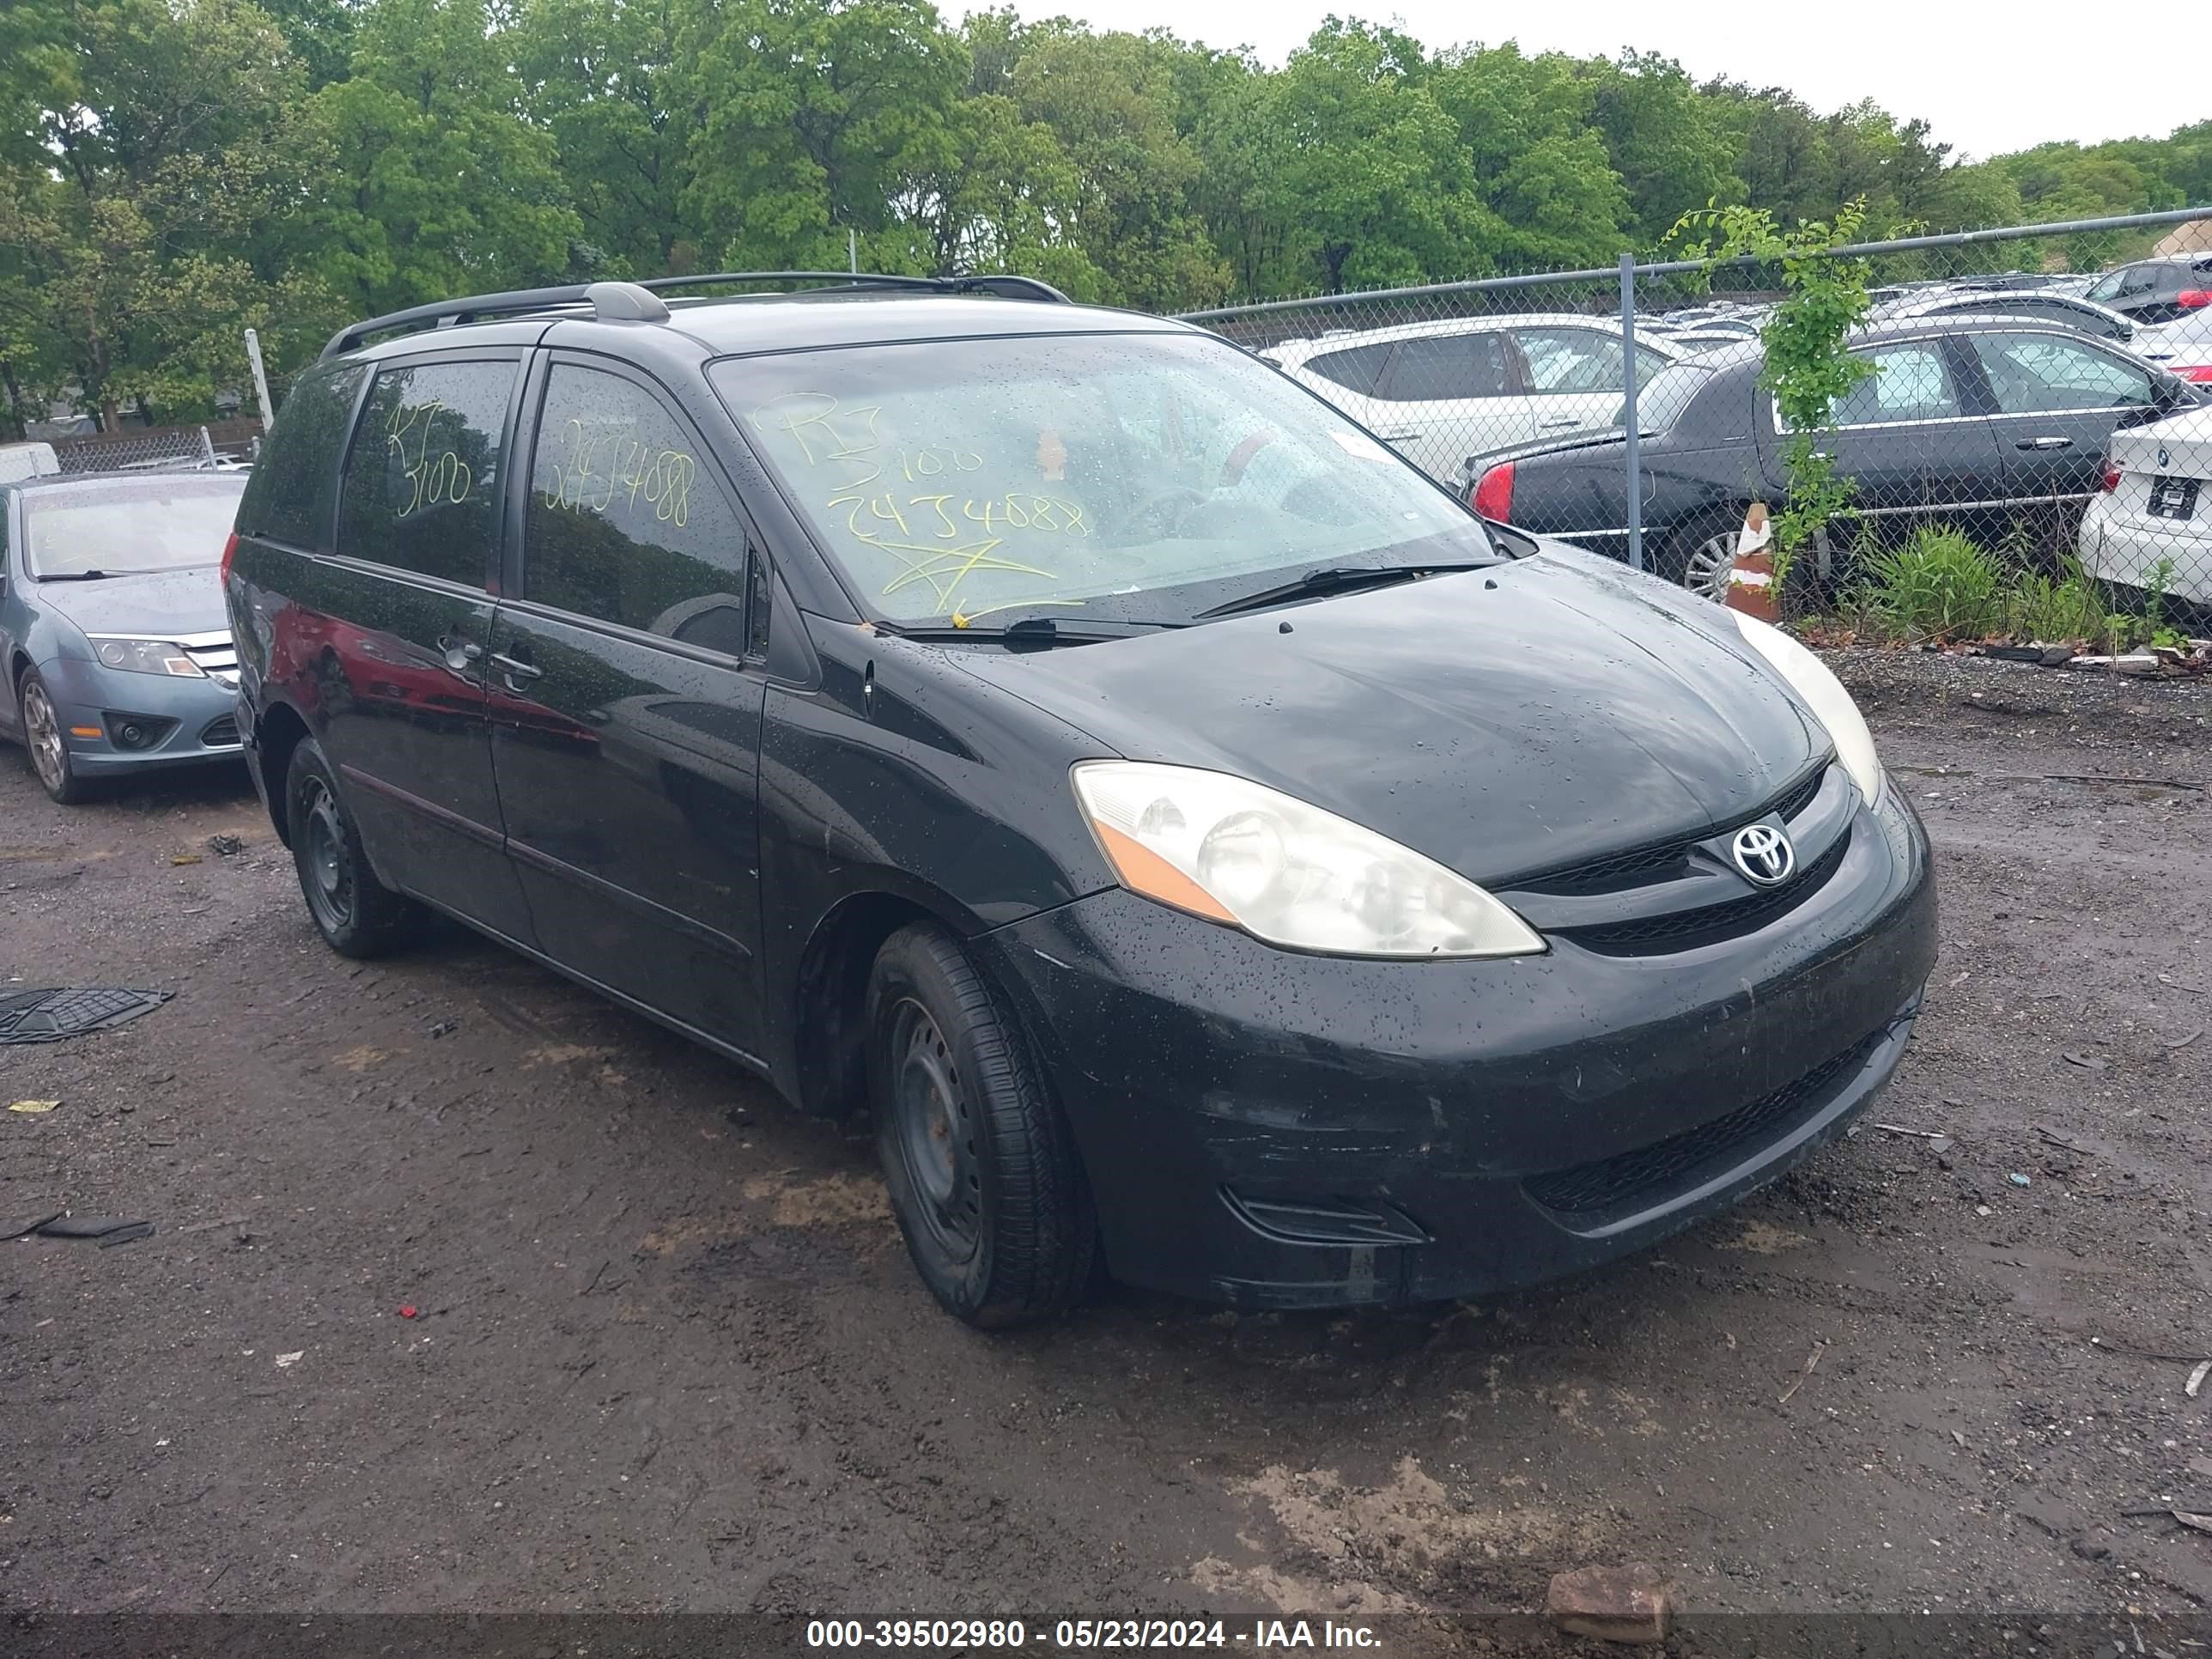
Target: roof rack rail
[(1005, 285), (612, 302), (639, 302)]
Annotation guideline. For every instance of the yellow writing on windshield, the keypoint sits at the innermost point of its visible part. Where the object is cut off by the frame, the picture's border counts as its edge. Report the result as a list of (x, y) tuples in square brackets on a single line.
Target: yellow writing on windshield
[(599, 466), (939, 537), (435, 477)]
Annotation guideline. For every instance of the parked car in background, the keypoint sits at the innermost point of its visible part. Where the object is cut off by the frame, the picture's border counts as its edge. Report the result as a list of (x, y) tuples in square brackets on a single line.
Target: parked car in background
[(2033, 305), (1181, 828), (2150, 527), (1439, 392), (1965, 420), (2156, 291), (31, 460), (2182, 347), (116, 646)]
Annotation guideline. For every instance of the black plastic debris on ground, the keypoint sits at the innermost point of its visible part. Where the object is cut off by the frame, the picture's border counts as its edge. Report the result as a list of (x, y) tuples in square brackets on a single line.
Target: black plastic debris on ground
[(107, 1229), (51, 1015)]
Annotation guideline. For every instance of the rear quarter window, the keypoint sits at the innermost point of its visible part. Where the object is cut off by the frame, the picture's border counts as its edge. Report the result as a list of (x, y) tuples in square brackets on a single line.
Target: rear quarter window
[(288, 497)]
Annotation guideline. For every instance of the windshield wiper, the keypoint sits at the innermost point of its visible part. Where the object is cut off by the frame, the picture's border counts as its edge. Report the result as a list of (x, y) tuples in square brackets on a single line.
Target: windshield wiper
[(1339, 579), (85, 576), (1028, 630)]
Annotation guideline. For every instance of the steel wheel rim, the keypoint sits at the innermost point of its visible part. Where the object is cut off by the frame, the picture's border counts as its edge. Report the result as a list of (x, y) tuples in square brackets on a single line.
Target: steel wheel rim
[(325, 871), (1711, 562), (44, 734), (935, 1131)]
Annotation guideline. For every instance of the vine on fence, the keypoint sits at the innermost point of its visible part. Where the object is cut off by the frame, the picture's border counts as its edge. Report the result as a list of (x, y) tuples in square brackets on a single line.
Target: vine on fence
[(1808, 369)]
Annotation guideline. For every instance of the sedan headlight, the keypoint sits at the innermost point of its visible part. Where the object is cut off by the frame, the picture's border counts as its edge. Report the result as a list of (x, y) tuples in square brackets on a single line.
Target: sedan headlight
[(1824, 694), (147, 657), (1239, 853)]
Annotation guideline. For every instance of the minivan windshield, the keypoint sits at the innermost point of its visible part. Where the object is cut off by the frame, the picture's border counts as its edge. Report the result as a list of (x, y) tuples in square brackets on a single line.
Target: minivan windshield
[(1137, 476), (129, 526)]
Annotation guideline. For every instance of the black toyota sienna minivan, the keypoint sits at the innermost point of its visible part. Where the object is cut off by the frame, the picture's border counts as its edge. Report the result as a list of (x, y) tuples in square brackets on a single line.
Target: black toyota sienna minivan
[(1187, 832)]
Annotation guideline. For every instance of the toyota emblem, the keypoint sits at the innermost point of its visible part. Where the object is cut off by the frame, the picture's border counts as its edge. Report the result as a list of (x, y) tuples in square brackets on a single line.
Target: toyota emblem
[(1764, 853)]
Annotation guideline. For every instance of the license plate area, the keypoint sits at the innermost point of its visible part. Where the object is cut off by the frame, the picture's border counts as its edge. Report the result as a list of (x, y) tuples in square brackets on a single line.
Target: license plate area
[(2173, 498)]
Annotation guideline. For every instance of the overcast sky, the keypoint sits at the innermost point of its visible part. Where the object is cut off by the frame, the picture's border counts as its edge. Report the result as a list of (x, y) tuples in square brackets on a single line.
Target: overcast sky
[(1989, 76)]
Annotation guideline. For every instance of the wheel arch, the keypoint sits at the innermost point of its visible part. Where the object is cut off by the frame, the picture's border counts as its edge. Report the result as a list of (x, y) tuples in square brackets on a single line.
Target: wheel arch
[(278, 731)]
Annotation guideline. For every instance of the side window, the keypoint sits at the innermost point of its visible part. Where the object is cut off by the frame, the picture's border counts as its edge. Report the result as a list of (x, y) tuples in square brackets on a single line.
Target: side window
[(2106, 287), (1909, 383), (1573, 359), (288, 497), (624, 524), (1356, 368), (1443, 367), (2044, 374), (422, 481)]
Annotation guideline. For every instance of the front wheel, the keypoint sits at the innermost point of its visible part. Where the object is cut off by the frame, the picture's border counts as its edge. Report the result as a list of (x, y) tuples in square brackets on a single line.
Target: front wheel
[(983, 1172), (356, 915), (42, 736)]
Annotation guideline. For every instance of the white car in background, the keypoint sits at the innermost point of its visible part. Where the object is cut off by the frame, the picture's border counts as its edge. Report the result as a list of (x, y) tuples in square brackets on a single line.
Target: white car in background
[(1442, 392), (2155, 509), (2182, 347)]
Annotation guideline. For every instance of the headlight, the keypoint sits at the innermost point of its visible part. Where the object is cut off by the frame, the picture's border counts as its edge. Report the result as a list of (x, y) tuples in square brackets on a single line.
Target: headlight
[(1824, 693), (147, 657), (1235, 852)]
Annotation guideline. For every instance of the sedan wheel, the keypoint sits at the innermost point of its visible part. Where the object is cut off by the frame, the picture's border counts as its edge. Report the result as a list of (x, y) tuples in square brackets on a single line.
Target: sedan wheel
[(42, 735), (1711, 563)]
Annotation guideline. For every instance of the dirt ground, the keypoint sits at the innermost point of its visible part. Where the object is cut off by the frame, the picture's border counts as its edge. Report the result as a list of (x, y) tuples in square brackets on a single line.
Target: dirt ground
[(669, 1353)]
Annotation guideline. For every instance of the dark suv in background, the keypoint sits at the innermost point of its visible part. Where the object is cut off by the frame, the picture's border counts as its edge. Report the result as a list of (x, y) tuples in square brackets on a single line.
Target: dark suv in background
[(1183, 827), (2156, 291)]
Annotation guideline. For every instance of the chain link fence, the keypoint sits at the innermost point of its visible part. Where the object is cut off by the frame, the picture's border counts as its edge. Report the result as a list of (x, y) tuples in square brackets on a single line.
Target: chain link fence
[(2025, 456), (222, 445)]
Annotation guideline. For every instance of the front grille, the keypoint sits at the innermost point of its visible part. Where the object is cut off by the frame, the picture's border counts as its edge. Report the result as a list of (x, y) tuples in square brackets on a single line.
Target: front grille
[(1710, 924), (1665, 1166), (214, 655), (1647, 864), (220, 734)]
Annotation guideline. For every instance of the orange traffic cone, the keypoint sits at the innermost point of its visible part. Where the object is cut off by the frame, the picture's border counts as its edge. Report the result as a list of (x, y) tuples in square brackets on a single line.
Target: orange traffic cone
[(1751, 587)]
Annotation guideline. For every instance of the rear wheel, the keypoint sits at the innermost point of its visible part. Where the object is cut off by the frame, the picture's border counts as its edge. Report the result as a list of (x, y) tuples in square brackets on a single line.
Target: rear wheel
[(42, 737), (982, 1172), (356, 915), (1700, 554)]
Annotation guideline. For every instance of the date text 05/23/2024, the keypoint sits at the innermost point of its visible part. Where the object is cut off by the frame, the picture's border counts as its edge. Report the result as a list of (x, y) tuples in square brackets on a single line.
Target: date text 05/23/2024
[(1008, 1635)]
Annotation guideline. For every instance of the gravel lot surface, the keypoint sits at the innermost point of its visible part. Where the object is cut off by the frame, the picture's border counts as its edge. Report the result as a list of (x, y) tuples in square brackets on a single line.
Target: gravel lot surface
[(668, 1352)]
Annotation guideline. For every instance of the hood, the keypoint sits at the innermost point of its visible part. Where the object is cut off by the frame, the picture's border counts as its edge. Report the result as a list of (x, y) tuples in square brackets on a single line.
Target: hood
[(1503, 721), (156, 607)]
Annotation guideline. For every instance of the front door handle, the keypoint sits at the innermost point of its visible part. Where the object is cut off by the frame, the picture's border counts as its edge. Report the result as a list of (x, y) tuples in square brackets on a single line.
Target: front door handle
[(458, 652), (1554, 426), (2044, 443), (513, 668)]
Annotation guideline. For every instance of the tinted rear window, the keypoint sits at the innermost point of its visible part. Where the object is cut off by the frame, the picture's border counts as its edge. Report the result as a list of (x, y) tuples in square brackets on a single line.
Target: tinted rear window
[(1355, 369), (168, 523), (289, 498), (1662, 400), (422, 484)]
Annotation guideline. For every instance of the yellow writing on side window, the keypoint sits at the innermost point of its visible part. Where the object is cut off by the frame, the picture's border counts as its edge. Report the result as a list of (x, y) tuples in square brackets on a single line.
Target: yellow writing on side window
[(433, 476), (635, 472)]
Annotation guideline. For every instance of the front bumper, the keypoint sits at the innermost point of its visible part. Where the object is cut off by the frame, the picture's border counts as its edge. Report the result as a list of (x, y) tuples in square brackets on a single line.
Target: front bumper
[(185, 722), (1274, 1130)]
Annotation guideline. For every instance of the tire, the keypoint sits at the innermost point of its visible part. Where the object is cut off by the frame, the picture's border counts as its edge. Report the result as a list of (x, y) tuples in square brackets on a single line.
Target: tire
[(983, 1170), (356, 915), (43, 742), (1698, 555)]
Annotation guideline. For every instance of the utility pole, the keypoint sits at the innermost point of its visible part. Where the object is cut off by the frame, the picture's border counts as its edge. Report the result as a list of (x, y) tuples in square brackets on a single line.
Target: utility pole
[(260, 379)]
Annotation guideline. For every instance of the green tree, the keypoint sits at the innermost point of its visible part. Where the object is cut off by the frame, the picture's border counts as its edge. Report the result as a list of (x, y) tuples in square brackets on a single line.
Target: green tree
[(598, 75), (442, 187), (148, 141), (815, 118)]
